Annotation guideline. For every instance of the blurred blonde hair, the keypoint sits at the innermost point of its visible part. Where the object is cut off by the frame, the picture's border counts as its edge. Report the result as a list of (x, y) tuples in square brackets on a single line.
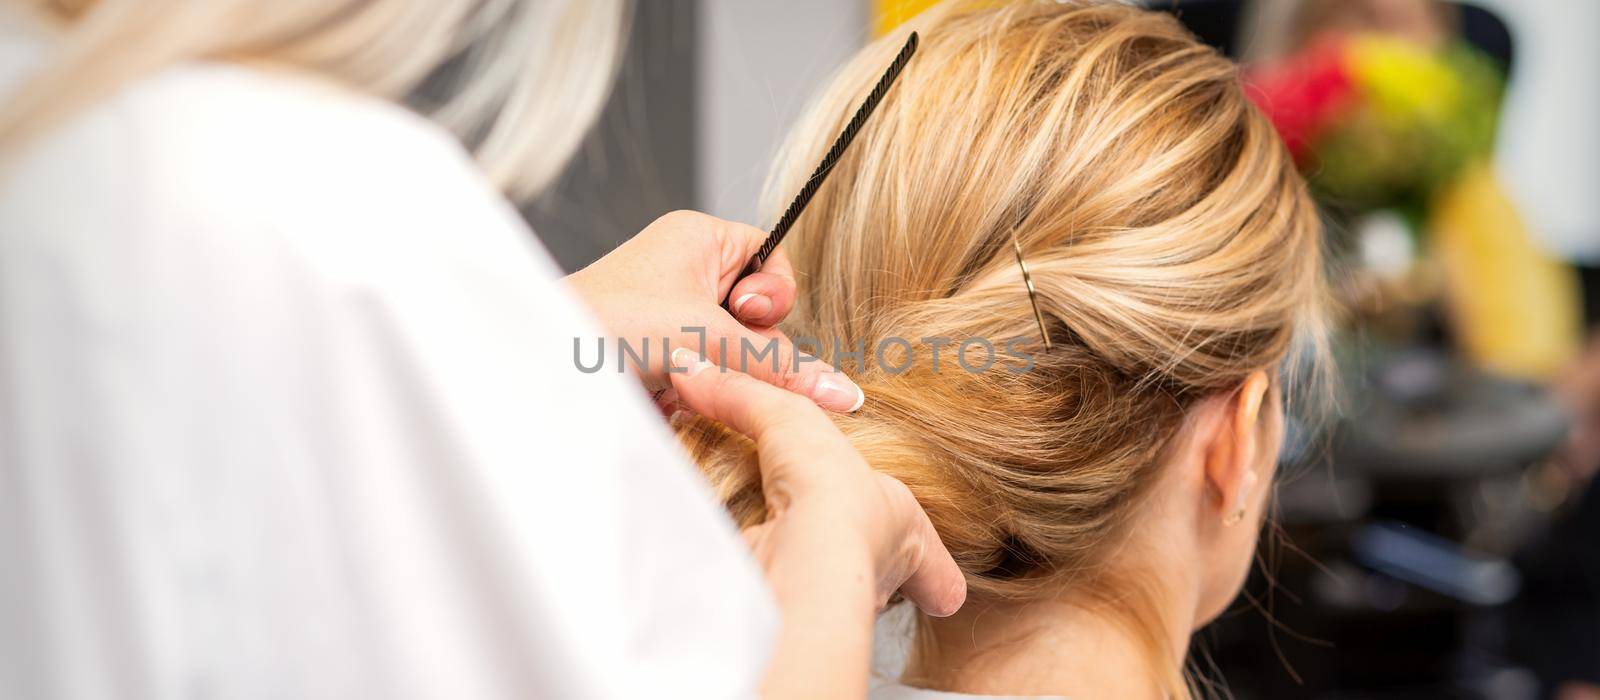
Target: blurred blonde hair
[(525, 78), (1172, 243)]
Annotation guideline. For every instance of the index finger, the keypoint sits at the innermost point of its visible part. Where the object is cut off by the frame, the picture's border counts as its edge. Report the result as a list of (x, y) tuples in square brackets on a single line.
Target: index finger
[(753, 408), (782, 424), (765, 297)]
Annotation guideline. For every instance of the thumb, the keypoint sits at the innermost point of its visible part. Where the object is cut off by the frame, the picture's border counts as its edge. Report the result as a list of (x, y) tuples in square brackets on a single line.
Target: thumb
[(935, 583), (800, 448), (768, 355), (764, 298)]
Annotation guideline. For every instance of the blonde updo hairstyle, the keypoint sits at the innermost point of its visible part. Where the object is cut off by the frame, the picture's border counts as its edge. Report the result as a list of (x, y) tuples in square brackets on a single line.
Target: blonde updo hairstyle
[(1170, 239)]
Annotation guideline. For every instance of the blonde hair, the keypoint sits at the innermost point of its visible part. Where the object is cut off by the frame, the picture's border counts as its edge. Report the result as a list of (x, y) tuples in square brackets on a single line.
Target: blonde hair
[(1171, 241), (526, 77)]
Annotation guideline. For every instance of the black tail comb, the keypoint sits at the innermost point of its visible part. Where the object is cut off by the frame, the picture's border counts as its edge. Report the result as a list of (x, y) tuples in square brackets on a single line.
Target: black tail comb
[(826, 166)]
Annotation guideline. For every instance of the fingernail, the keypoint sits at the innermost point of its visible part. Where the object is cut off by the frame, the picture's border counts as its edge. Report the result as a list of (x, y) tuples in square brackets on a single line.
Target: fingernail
[(836, 391), (689, 361), (752, 305)]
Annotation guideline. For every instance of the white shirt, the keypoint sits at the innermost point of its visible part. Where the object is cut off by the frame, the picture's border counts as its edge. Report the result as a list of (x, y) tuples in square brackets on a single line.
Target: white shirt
[(288, 408)]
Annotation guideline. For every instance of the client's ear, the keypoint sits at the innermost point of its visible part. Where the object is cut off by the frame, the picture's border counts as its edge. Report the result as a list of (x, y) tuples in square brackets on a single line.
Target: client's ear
[(1231, 458)]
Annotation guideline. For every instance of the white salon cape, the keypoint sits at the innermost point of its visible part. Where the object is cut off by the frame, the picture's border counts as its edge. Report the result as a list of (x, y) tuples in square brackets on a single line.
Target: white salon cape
[(288, 409)]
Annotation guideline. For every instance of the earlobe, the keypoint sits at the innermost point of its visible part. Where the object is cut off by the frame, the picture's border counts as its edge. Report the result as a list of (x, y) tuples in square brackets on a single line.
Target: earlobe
[(1246, 486), (1233, 469)]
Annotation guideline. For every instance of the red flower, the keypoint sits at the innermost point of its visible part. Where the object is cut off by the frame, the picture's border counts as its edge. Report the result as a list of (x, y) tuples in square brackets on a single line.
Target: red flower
[(1303, 93)]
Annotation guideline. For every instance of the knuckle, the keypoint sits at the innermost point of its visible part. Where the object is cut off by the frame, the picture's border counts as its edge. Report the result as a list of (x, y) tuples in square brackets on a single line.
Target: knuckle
[(681, 220), (785, 374), (794, 379), (675, 215), (791, 374), (746, 231), (894, 490)]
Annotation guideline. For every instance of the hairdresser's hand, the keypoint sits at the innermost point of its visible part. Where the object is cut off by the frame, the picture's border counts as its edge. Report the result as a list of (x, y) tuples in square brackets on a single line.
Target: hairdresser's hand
[(674, 275), (840, 538)]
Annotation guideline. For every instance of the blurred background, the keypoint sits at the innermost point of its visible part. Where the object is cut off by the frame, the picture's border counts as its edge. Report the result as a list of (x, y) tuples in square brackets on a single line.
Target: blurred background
[(1440, 535)]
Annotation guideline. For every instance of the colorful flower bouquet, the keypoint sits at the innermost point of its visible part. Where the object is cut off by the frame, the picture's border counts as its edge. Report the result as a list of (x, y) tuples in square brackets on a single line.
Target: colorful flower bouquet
[(1395, 139), (1380, 122)]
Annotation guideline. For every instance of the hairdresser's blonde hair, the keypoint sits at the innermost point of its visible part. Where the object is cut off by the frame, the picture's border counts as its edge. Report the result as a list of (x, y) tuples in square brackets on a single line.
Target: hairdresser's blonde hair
[(525, 78), (1172, 243)]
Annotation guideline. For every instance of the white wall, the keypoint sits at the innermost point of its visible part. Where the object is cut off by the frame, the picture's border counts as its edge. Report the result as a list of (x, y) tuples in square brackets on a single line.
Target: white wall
[(1549, 150), (760, 62)]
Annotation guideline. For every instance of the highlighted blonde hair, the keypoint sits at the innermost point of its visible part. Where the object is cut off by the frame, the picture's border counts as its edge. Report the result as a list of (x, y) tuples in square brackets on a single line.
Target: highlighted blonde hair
[(525, 78), (1172, 243)]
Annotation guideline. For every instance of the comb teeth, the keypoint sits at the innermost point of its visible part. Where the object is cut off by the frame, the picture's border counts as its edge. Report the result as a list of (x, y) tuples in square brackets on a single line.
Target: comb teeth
[(839, 145)]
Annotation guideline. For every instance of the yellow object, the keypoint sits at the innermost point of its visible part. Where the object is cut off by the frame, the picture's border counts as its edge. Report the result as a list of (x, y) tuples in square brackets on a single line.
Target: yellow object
[(888, 14), (1403, 80), (1514, 309)]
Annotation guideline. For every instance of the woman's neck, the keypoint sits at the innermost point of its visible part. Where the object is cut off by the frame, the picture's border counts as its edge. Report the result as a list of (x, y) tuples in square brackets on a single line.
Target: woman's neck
[(1045, 648)]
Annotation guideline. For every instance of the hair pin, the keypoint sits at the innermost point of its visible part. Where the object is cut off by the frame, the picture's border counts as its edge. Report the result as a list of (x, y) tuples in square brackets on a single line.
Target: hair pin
[(1033, 297)]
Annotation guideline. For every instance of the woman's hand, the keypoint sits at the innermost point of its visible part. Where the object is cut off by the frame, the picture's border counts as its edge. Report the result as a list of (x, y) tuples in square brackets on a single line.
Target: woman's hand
[(840, 538), (669, 281)]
